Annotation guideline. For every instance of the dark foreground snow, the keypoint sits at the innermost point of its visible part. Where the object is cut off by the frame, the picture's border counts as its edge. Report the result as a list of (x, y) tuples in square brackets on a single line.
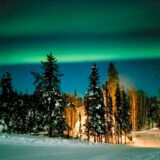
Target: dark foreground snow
[(20, 147)]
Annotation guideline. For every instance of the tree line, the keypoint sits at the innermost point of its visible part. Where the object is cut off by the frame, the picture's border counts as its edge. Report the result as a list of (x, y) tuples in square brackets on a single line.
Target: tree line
[(111, 110), (107, 118)]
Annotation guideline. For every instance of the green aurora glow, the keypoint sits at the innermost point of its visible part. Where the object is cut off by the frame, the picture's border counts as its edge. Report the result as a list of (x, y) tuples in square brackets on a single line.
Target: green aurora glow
[(85, 16), (78, 30), (35, 55)]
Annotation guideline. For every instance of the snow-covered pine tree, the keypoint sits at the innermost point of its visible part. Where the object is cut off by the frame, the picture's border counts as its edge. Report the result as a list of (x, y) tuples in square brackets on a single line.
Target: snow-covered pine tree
[(119, 114), (7, 95), (126, 123), (24, 107), (109, 117), (95, 106), (50, 96), (34, 116), (19, 115)]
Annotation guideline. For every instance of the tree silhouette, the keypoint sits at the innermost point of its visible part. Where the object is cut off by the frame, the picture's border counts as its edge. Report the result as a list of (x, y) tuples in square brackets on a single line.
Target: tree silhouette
[(95, 106), (7, 102), (52, 100), (126, 113)]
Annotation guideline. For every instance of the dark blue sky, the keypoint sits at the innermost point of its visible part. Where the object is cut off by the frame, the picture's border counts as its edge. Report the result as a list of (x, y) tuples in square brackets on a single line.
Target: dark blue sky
[(140, 74), (78, 33)]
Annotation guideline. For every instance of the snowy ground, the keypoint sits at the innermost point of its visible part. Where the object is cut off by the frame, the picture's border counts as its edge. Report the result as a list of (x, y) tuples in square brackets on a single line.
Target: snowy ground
[(148, 138), (23, 147)]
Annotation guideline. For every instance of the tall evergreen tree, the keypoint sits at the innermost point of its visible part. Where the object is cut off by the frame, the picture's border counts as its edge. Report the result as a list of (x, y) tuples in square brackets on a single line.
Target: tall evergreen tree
[(7, 101), (24, 111), (19, 115), (142, 110), (133, 100), (126, 121), (95, 106), (50, 96), (113, 81), (34, 114), (6, 85), (109, 116), (119, 113)]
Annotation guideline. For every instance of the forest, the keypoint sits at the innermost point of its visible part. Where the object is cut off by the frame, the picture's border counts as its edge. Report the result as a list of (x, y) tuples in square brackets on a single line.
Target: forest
[(107, 113)]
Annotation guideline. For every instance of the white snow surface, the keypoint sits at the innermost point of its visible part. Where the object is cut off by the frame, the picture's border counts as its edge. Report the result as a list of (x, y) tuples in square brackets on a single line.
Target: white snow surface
[(25, 147), (38, 140)]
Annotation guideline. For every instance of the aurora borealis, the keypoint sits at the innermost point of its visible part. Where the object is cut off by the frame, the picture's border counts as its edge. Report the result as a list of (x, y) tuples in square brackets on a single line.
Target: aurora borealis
[(78, 31)]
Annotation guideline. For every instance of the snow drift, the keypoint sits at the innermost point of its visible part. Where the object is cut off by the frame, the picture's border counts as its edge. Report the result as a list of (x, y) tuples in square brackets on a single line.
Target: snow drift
[(25, 147)]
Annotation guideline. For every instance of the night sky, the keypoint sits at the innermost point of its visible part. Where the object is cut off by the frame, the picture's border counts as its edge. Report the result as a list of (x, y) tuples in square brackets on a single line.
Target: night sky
[(78, 33)]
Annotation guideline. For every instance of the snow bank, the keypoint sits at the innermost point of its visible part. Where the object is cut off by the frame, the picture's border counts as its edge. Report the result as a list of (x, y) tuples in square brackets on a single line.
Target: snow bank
[(147, 138), (39, 140), (25, 147), (146, 142)]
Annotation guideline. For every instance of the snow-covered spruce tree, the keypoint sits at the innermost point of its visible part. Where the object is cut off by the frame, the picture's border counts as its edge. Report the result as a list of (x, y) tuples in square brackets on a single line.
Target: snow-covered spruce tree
[(23, 108), (7, 101), (19, 118), (109, 117), (50, 97), (94, 106), (126, 122), (34, 117), (119, 114)]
